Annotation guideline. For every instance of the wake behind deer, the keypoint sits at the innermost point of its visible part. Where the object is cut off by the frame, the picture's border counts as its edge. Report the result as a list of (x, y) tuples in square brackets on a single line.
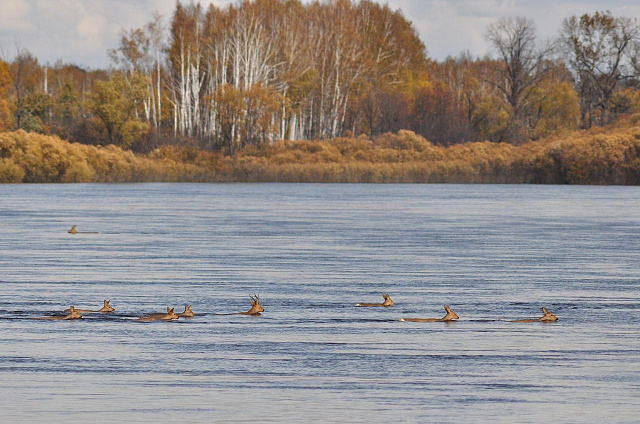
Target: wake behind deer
[(74, 230)]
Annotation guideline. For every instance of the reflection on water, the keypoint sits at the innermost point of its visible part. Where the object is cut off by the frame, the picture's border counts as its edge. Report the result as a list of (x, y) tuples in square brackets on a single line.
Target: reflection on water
[(494, 253)]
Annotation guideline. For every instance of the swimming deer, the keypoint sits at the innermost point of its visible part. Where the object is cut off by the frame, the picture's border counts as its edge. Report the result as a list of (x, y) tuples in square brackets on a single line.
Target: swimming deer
[(169, 316), (107, 308), (547, 317), (188, 313), (73, 314), (73, 230), (387, 302), (256, 308), (450, 316)]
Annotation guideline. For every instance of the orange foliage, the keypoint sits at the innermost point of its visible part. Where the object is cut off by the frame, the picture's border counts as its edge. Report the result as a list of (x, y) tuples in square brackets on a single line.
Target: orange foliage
[(587, 157)]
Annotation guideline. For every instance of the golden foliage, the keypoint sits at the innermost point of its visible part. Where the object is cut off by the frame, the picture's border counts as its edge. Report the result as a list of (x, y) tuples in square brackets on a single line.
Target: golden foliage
[(588, 157), (553, 108)]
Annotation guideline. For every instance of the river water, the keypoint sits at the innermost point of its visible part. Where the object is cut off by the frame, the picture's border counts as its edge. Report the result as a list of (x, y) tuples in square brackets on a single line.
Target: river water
[(494, 253)]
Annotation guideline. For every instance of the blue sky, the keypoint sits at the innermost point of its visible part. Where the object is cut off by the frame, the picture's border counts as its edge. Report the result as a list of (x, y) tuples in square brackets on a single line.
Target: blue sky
[(80, 31)]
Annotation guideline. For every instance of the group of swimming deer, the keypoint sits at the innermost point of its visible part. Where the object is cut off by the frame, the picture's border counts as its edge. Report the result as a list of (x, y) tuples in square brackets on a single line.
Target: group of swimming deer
[(73, 313), (257, 309), (450, 315)]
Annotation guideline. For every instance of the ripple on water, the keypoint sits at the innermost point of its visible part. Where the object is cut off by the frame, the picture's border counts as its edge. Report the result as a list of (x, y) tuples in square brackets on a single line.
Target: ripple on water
[(494, 253)]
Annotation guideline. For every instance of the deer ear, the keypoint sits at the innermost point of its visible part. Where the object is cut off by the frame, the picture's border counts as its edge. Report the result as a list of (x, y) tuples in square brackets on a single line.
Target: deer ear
[(544, 310), (168, 309), (171, 310)]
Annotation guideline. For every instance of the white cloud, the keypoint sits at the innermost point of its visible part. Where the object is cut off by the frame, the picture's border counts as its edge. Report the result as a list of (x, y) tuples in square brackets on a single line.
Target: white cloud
[(81, 31), (14, 17)]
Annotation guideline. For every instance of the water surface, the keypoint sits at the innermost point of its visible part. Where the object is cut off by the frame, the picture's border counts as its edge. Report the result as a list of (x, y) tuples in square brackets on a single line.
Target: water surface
[(494, 253)]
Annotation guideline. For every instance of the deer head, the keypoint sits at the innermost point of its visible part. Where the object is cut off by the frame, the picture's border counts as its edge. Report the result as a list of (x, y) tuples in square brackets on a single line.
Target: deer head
[(107, 307), (73, 313), (548, 316), (73, 230), (170, 315), (187, 312), (450, 316), (256, 308), (387, 300)]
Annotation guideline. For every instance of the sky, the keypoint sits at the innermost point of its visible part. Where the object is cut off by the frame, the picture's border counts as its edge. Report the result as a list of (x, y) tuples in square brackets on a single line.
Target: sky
[(80, 31)]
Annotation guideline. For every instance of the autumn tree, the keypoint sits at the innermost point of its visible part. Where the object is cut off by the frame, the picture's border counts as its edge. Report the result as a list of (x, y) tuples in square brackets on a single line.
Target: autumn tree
[(140, 51), (522, 63), (261, 104), (115, 103), (436, 117), (553, 107), (24, 76), (595, 47), (5, 87), (229, 110)]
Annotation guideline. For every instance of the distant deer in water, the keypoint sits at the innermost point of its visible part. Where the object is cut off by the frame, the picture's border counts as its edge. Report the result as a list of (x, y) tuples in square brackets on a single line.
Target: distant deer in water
[(107, 308), (387, 302), (187, 312), (73, 314), (450, 316), (547, 317), (73, 230), (256, 308), (169, 316)]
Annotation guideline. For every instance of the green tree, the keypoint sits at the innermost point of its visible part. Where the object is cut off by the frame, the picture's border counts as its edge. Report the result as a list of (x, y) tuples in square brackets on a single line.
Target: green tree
[(491, 119), (116, 102), (36, 107)]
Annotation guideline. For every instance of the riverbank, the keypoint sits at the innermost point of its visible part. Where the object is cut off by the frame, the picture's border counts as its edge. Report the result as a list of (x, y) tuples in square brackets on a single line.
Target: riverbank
[(602, 156)]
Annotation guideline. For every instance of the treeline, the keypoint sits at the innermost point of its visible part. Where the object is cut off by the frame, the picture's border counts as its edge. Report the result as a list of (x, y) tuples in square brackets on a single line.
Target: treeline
[(598, 156), (260, 71)]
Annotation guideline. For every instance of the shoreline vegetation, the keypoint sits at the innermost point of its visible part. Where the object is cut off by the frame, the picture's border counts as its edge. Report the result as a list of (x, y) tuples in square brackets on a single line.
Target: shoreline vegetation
[(600, 156), (328, 91)]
